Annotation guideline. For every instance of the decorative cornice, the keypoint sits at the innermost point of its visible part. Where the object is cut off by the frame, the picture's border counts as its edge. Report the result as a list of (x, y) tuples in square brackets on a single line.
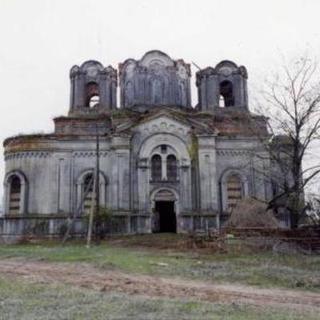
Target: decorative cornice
[(88, 154), (231, 153), (23, 155)]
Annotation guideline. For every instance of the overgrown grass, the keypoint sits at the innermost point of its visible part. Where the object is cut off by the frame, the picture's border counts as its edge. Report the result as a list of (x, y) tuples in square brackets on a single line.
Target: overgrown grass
[(264, 269), (24, 300)]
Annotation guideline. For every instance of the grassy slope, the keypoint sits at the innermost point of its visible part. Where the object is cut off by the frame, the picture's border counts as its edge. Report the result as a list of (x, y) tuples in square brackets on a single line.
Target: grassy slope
[(263, 269), (23, 300)]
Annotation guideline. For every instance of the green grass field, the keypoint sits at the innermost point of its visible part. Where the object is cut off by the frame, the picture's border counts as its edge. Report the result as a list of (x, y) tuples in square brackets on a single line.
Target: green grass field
[(28, 301), (263, 268), (21, 298)]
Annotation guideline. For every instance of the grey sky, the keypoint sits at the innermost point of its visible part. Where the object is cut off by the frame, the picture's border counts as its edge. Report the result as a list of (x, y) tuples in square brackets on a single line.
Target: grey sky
[(42, 39)]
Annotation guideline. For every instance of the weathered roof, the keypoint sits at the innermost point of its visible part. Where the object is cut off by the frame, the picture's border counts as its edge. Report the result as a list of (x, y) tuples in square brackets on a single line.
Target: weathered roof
[(224, 122)]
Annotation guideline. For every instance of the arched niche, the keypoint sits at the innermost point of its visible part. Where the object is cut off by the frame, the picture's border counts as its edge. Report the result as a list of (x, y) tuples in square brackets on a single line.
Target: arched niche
[(229, 179), (80, 188), (16, 177)]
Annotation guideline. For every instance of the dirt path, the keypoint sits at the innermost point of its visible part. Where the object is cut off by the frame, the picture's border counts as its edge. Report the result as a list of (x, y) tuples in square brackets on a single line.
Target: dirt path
[(85, 275)]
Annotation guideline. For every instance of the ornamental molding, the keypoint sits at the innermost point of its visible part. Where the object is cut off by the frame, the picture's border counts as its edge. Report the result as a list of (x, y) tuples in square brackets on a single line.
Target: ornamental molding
[(26, 155), (89, 154), (164, 124), (231, 153)]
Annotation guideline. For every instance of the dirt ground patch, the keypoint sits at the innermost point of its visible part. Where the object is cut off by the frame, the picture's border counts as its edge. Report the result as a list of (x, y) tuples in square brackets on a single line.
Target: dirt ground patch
[(87, 276), (161, 241)]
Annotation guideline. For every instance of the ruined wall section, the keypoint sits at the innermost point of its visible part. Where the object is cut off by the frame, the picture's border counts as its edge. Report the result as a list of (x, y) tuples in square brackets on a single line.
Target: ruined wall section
[(79, 125)]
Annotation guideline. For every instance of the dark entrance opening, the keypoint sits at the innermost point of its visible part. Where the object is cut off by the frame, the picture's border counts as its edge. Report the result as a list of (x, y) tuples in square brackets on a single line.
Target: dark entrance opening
[(167, 216)]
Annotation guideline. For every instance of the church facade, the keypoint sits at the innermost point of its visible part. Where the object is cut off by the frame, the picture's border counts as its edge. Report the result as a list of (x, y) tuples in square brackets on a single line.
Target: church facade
[(165, 165)]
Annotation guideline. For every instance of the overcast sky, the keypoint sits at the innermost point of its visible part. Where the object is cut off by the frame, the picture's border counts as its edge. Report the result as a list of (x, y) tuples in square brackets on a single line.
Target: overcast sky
[(42, 39)]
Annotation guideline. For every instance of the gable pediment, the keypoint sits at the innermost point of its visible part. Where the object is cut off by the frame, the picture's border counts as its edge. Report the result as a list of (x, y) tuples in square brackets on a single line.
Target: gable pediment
[(165, 121), (163, 124)]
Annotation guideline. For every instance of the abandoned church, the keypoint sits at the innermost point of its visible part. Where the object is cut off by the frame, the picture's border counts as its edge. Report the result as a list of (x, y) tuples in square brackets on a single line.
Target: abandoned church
[(165, 165)]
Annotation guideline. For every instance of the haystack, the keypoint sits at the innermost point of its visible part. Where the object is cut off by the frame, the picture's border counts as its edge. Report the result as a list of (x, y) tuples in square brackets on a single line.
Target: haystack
[(251, 213)]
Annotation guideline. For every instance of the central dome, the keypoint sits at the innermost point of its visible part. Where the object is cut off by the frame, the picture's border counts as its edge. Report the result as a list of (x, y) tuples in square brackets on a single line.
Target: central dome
[(155, 80)]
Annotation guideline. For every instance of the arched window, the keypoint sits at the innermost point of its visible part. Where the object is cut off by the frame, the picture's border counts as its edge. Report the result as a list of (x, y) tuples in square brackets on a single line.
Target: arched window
[(88, 190), (156, 172), (15, 195), (84, 182), (92, 94), (226, 93), (234, 190), (172, 167)]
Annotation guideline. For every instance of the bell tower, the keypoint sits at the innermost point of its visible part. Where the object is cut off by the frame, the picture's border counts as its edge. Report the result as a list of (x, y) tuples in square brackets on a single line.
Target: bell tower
[(93, 88), (224, 86)]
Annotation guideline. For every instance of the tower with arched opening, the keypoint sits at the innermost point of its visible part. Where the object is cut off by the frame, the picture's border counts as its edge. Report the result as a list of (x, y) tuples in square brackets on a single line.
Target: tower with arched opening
[(223, 86)]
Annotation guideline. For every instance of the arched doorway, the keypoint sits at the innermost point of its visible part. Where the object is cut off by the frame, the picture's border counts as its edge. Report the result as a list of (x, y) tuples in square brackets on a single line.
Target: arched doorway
[(164, 216)]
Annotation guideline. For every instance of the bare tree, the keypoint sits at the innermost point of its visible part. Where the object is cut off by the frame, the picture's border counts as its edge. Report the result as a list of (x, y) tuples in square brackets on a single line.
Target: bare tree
[(314, 212), (293, 97)]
